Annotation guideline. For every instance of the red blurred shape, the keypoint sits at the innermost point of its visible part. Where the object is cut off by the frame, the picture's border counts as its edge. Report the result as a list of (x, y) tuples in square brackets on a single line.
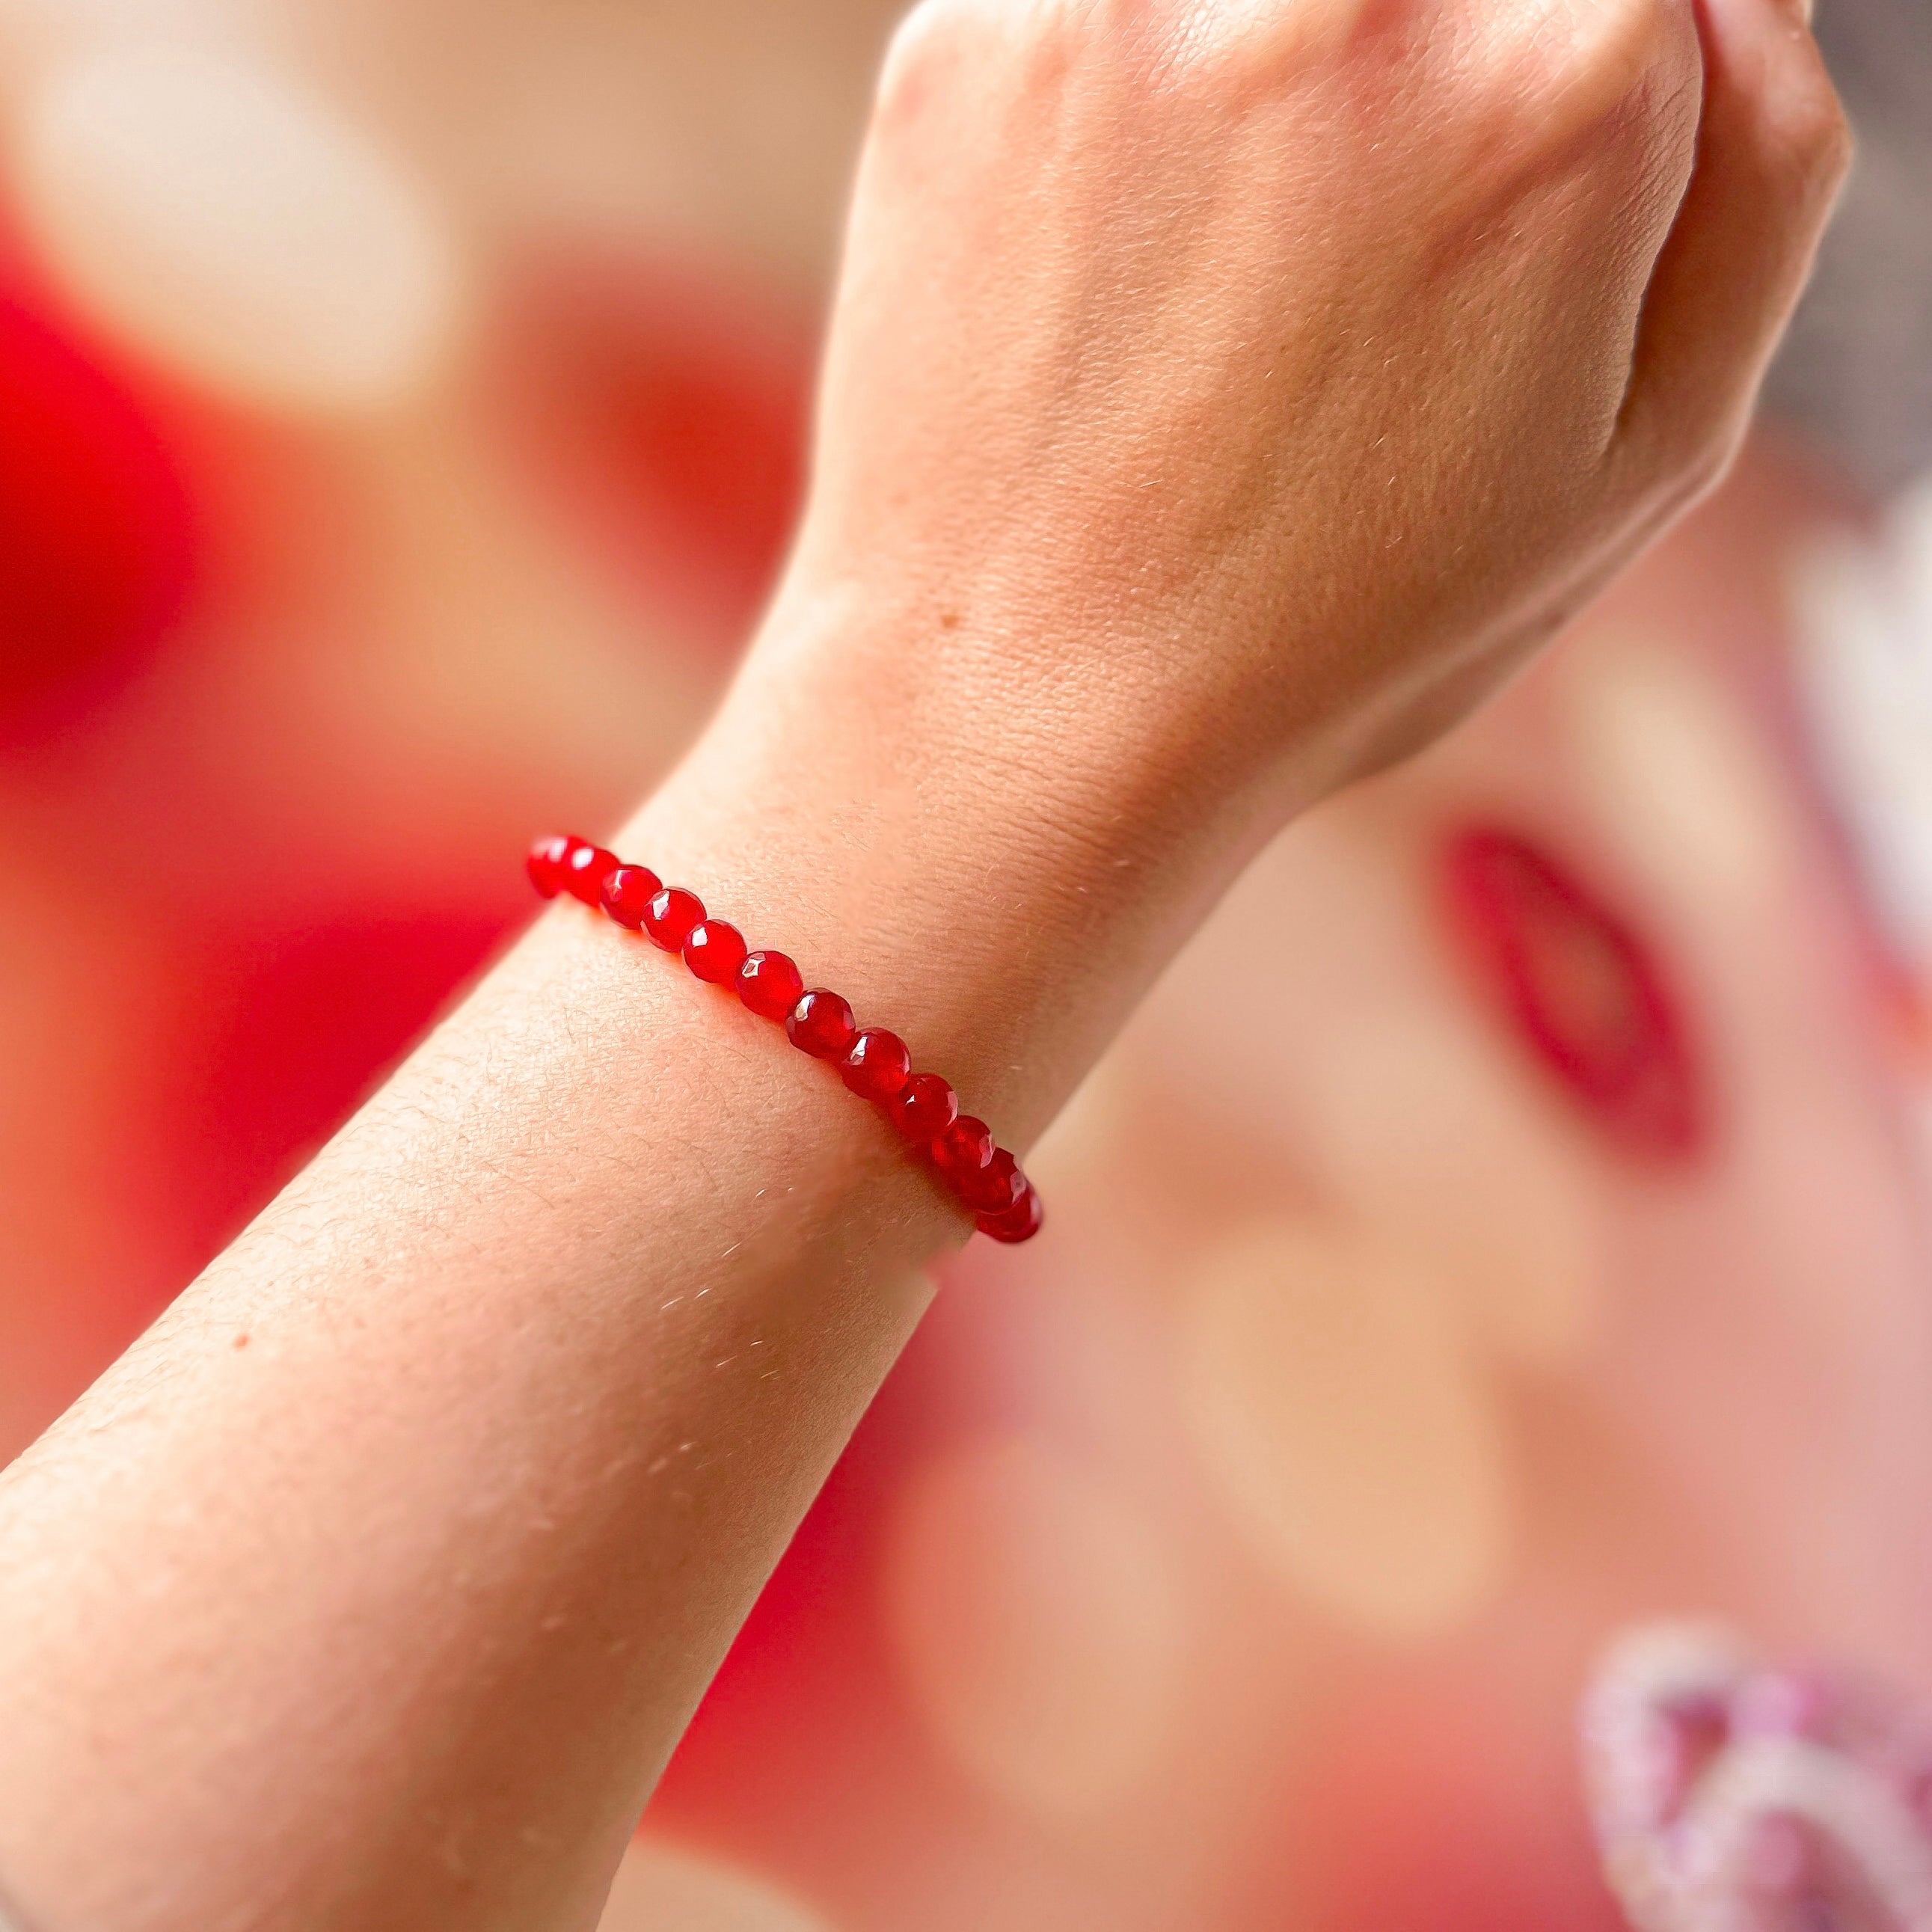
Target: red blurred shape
[(1443, 1816), (97, 527), (1582, 989), (282, 1032), (710, 441), (675, 404)]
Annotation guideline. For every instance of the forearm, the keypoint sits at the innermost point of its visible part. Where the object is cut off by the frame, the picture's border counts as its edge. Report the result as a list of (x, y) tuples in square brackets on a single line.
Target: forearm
[(396, 1556)]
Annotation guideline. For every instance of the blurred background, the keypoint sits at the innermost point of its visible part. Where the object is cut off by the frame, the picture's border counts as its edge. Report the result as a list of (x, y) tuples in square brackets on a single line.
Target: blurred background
[(402, 411)]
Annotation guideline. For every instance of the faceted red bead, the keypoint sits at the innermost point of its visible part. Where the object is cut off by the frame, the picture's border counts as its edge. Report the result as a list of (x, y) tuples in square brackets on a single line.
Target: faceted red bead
[(627, 893), (715, 952), (963, 1147), (770, 984), (821, 1025), (1020, 1222), (669, 917), (545, 863), (923, 1107), (993, 1189), (877, 1065), (586, 869)]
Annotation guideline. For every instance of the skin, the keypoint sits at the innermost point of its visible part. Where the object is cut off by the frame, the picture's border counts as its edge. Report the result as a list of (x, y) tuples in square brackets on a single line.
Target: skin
[(1221, 397)]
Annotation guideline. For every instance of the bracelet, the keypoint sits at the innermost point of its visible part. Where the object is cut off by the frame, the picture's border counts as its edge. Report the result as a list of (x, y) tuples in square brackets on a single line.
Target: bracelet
[(874, 1064)]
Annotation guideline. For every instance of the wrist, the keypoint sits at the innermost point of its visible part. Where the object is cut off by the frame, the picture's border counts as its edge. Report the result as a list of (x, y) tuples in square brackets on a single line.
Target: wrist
[(995, 881)]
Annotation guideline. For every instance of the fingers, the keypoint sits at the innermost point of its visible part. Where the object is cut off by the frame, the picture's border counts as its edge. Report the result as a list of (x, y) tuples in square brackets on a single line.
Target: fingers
[(1772, 153)]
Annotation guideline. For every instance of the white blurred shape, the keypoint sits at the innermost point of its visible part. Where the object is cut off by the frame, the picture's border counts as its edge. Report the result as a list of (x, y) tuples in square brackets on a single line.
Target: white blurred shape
[(235, 228), (1036, 1615), (1424, 1136), (46, 28), (1381, 1084), (1074, 1150), (1357, 1450), (662, 1888), (1864, 614), (1683, 786)]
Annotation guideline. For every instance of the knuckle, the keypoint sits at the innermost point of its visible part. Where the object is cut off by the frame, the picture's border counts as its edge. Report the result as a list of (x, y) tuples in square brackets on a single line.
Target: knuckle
[(929, 32), (907, 53), (939, 32), (1813, 129), (1710, 461), (1568, 66), (925, 59), (1141, 45), (1703, 450), (1233, 49)]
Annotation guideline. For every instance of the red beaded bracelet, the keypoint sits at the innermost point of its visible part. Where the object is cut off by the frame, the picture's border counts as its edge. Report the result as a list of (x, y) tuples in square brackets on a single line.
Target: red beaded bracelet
[(873, 1064)]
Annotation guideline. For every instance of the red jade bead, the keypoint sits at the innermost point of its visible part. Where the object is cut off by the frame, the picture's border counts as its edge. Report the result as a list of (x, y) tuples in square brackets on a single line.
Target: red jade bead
[(770, 984), (924, 1108), (964, 1146), (670, 917), (1020, 1222), (545, 863), (877, 1065), (715, 952), (994, 1188), (821, 1025), (627, 893), (586, 869)]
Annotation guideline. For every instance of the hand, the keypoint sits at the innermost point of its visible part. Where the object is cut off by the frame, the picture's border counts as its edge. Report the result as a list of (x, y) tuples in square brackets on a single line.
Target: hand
[(1222, 394)]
